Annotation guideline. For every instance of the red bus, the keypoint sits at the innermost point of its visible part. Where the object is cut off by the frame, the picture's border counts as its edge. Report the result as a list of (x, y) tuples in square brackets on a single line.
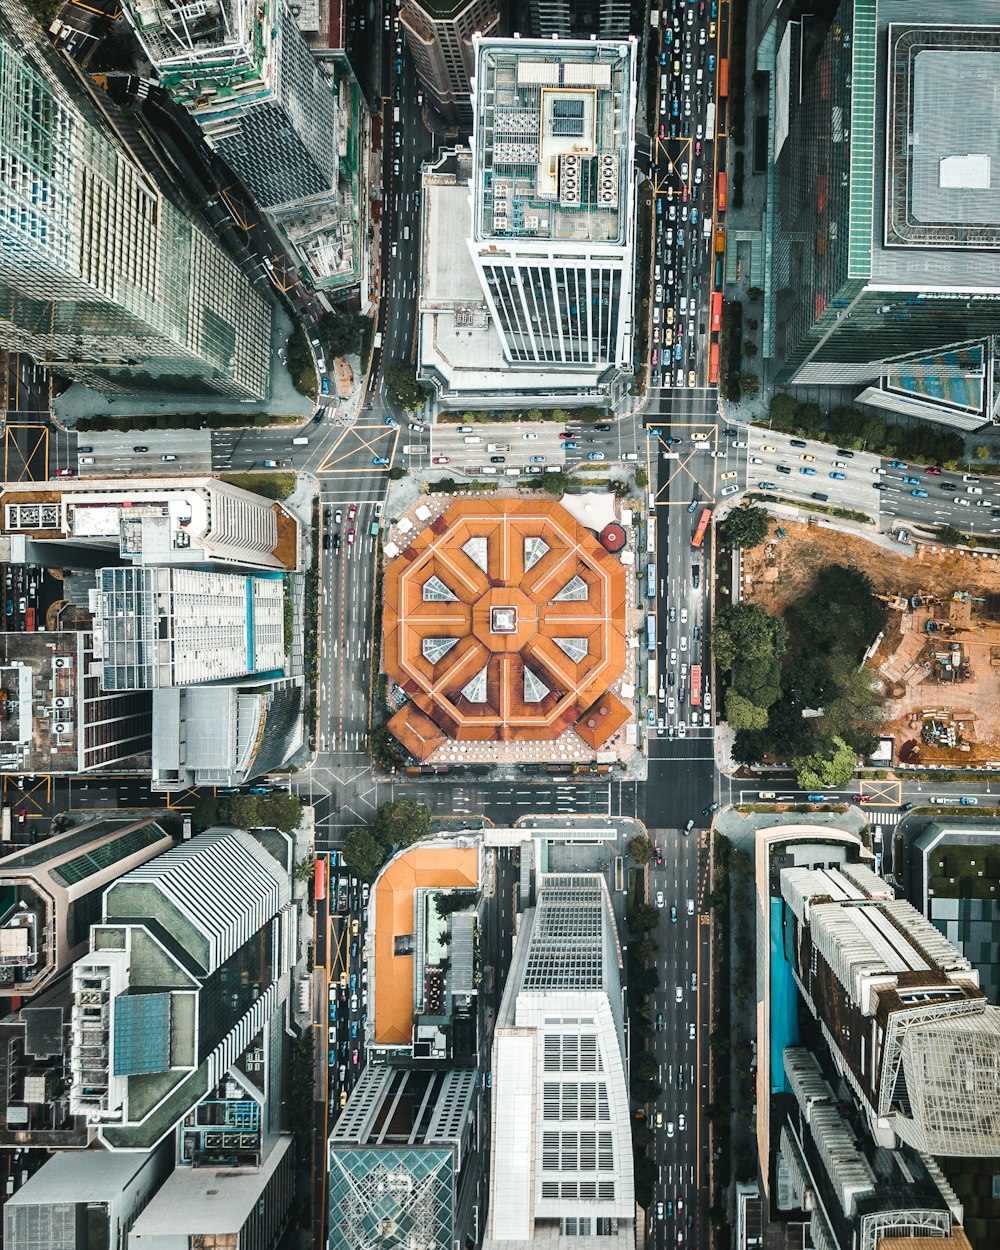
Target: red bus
[(720, 199), (699, 534), (29, 620), (723, 78), (716, 311), (696, 685), (713, 365), (320, 883)]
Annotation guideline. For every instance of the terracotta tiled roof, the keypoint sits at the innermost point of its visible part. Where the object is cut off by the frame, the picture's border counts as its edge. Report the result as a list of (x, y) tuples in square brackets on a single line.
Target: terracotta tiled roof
[(505, 619), (604, 718), (429, 867)]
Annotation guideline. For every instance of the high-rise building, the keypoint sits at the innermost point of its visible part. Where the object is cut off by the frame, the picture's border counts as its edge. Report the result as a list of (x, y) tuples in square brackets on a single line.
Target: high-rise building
[(228, 1208), (405, 1166), (883, 225), (439, 36), (900, 1009), (82, 1199), (54, 715), (553, 203), (52, 895), (102, 277), (194, 522), (158, 627), (279, 117), (188, 970), (579, 19), (561, 1155)]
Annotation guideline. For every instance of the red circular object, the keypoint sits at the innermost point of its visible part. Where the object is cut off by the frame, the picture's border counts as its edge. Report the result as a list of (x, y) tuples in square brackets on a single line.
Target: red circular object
[(612, 538)]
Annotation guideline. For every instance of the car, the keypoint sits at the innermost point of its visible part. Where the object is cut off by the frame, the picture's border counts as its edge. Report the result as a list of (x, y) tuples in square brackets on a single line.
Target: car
[(671, 442), (934, 472), (673, 914), (694, 980), (911, 481), (797, 442), (807, 458), (684, 642), (729, 490), (919, 494), (380, 460), (670, 1128), (766, 486), (711, 30), (673, 655), (711, 63), (392, 423), (692, 1030), (756, 460), (659, 1211), (968, 800), (324, 386), (355, 1057), (140, 450), (351, 535), (859, 798), (595, 455), (659, 855), (562, 433), (681, 1119), (571, 446), (969, 477), (680, 1208), (807, 471), (767, 447), (948, 486), (629, 456), (840, 464), (728, 475), (671, 706), (336, 542), (783, 468), (414, 425), (692, 506), (65, 472), (531, 437), (354, 1028), (441, 460), (659, 898), (22, 604), (498, 459), (838, 477), (678, 994), (897, 464), (338, 516), (21, 815), (537, 459), (273, 464), (962, 503), (395, 170), (697, 146), (166, 458), (973, 490), (879, 486), (689, 826), (692, 378), (880, 470)]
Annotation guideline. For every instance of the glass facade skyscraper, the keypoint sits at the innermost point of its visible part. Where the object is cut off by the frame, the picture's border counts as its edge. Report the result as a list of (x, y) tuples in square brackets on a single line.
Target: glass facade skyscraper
[(102, 277), (883, 226)]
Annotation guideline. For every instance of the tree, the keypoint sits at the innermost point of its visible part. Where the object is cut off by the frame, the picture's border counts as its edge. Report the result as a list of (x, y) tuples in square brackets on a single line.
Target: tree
[(555, 483), (831, 763), (641, 479), (341, 332), (642, 917), (754, 292), (742, 714), (619, 488), (396, 472), (982, 453), (746, 527), (535, 414), (782, 410), (362, 853), (645, 979), (401, 379), (747, 631), (749, 347), (749, 385), (645, 950), (641, 848), (645, 1066), (950, 534), (401, 822), (840, 612), (758, 680), (854, 711)]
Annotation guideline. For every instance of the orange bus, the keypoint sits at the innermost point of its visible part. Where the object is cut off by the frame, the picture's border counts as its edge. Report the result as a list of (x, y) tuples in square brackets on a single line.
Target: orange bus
[(723, 78), (720, 198), (699, 535), (716, 311), (713, 365), (320, 883), (696, 685)]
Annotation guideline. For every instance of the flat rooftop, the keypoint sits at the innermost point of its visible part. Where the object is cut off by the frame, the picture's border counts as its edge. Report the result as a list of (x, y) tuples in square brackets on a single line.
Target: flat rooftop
[(428, 867), (552, 141)]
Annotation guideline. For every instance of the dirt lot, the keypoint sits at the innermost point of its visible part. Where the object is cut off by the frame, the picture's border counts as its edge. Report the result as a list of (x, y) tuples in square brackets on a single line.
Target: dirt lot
[(922, 683)]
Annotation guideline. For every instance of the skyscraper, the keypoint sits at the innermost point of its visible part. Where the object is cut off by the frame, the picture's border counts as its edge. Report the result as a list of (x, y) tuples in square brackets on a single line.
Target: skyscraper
[(883, 226), (579, 19), (102, 277), (439, 36), (553, 203), (279, 117)]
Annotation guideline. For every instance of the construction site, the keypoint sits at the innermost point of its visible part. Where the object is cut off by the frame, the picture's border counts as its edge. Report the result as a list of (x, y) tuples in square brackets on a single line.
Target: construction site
[(939, 656)]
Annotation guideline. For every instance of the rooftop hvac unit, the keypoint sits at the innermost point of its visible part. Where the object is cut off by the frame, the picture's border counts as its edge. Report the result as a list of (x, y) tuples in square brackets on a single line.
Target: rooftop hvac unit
[(63, 727), (63, 661), (61, 702)]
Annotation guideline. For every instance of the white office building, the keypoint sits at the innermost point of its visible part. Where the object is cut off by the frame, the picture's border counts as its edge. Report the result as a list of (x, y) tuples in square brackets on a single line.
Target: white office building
[(561, 1134), (551, 189)]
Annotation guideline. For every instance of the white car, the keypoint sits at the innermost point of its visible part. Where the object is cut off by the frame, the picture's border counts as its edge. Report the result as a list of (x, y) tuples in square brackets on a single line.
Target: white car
[(684, 166), (659, 898), (692, 1032), (681, 1123), (673, 655), (879, 471), (671, 705), (973, 490), (678, 994), (684, 616), (670, 1128), (682, 730), (969, 477), (684, 642), (756, 460), (531, 437), (840, 464), (962, 503), (729, 490), (690, 907)]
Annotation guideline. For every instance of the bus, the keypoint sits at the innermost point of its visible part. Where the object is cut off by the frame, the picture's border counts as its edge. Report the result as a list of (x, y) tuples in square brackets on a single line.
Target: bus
[(651, 678), (29, 620), (713, 365), (716, 311), (6, 824), (651, 580), (651, 534), (696, 685), (723, 77), (650, 632), (710, 120), (319, 892), (720, 198), (699, 534)]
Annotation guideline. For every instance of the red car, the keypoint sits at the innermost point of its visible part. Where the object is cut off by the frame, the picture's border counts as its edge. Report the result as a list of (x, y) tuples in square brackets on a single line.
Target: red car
[(22, 816), (663, 131), (859, 798), (355, 1057), (352, 512), (350, 536), (659, 856), (684, 195), (565, 434), (441, 459), (64, 472), (930, 469)]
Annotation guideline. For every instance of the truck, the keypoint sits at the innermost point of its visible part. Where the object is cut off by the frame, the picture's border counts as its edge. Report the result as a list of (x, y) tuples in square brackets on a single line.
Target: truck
[(651, 678), (377, 340), (494, 447), (706, 227)]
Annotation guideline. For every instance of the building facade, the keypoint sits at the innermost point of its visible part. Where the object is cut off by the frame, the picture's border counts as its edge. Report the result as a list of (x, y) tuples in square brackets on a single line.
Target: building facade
[(579, 19), (53, 893), (103, 279), (439, 37), (158, 627), (553, 203), (278, 116), (882, 247), (561, 1151), (188, 968), (193, 522)]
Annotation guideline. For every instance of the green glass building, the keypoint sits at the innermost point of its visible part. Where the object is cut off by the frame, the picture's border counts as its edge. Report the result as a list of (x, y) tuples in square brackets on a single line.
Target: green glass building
[(102, 276), (884, 221)]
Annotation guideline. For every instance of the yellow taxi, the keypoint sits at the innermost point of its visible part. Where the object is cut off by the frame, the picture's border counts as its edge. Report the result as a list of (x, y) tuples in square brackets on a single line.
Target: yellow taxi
[(670, 316), (808, 459), (768, 447), (692, 378), (699, 438), (728, 476)]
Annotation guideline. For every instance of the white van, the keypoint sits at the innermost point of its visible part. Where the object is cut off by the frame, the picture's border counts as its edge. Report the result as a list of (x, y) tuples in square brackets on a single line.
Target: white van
[(491, 469), (471, 438), (406, 232), (302, 441), (684, 305)]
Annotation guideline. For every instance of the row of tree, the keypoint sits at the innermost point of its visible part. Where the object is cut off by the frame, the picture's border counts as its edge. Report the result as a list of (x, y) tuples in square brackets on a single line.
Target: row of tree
[(249, 811), (397, 824), (798, 689)]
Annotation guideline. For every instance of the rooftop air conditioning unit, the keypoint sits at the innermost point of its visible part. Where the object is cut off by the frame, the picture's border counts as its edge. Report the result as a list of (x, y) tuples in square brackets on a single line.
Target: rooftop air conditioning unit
[(62, 702), (63, 727), (63, 661)]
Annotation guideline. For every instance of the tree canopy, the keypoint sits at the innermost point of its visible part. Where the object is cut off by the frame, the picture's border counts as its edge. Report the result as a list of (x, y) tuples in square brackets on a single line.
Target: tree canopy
[(745, 527), (401, 379), (742, 714), (641, 848), (746, 630), (396, 824), (250, 811), (830, 763)]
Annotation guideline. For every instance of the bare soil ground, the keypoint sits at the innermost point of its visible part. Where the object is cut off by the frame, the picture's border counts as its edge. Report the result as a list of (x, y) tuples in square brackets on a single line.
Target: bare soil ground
[(912, 664)]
